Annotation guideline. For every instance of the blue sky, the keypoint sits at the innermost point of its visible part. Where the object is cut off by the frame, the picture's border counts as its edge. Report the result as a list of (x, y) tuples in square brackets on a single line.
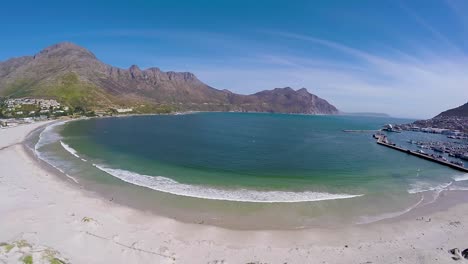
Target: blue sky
[(405, 58)]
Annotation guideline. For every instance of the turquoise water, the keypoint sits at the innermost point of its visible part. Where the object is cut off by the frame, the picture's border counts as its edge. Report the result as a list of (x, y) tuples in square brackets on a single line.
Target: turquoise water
[(254, 158)]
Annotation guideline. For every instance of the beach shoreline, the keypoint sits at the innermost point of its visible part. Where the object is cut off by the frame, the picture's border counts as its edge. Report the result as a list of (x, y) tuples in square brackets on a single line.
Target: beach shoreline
[(37, 205), (255, 216)]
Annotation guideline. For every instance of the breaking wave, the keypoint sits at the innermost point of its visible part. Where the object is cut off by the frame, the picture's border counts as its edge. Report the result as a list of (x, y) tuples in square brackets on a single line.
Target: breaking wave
[(426, 187), (460, 177), (167, 185), (47, 136), (436, 190), (71, 150)]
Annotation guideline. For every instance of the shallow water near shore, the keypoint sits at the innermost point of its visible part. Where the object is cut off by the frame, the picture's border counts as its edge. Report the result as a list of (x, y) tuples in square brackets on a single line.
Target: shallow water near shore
[(275, 171)]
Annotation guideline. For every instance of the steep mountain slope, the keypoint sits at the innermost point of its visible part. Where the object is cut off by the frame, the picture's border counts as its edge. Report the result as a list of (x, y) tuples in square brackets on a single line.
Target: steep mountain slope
[(454, 119), (461, 111), (284, 100), (74, 76)]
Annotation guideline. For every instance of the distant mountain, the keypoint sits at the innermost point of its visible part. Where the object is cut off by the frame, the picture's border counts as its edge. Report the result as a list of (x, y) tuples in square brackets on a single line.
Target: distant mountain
[(282, 100), (74, 76), (454, 119), (367, 114), (461, 111)]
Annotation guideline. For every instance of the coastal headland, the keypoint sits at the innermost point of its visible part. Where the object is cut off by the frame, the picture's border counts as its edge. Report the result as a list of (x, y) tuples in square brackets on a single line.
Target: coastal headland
[(44, 208)]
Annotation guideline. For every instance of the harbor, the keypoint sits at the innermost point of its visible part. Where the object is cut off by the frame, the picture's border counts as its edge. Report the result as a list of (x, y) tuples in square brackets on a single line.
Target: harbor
[(383, 140)]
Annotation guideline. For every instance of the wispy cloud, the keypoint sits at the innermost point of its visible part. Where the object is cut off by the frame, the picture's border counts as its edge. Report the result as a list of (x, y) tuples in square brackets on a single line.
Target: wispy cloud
[(419, 81), (401, 84), (435, 33), (459, 8)]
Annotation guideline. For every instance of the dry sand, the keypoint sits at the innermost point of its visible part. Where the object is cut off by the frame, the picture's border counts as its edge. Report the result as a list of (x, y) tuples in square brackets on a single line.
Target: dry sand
[(42, 208)]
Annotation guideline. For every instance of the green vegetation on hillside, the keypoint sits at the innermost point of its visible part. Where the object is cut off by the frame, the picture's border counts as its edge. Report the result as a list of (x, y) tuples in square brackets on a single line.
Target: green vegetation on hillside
[(157, 109), (19, 88), (67, 89), (82, 97), (70, 91)]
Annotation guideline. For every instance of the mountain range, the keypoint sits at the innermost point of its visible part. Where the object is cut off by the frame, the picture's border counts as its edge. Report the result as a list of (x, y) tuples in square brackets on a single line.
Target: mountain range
[(76, 77)]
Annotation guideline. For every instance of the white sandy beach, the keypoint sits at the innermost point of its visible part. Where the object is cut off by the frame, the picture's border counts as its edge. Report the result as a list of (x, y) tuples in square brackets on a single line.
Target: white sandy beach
[(40, 207)]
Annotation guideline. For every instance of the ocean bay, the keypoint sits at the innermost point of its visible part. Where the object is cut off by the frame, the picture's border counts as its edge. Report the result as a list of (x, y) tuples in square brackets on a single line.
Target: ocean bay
[(213, 166)]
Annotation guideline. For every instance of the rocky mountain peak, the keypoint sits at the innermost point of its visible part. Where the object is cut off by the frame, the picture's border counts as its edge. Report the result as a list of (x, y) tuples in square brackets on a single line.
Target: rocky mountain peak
[(135, 71), (286, 89), (181, 76), (154, 70), (303, 91), (65, 49), (134, 68)]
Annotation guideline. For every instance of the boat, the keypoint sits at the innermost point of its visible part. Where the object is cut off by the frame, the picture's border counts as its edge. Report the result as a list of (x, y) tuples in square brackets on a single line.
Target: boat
[(436, 149), (457, 162)]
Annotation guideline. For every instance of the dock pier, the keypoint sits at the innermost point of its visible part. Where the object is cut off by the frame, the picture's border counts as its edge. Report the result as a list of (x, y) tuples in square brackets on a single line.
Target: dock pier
[(359, 131), (382, 140)]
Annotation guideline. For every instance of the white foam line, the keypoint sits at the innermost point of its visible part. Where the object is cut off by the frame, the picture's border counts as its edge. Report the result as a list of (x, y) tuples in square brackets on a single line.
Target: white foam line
[(38, 154), (70, 149), (461, 177), (167, 185), (368, 220), (437, 194), (419, 189), (47, 137), (72, 178), (435, 189), (458, 188)]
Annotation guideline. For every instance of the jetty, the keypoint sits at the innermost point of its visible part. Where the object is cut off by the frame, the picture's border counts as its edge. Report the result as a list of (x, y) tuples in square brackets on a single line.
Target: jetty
[(383, 140)]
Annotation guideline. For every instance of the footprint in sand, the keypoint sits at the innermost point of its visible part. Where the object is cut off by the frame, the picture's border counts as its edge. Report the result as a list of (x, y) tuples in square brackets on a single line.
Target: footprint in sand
[(164, 250)]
